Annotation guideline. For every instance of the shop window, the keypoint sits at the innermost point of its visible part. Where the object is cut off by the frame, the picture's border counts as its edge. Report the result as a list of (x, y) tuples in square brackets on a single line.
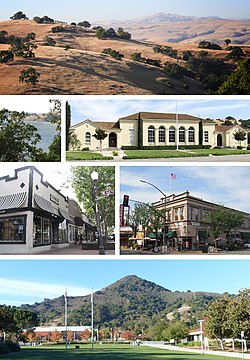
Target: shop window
[(12, 229), (41, 231), (46, 231), (37, 230)]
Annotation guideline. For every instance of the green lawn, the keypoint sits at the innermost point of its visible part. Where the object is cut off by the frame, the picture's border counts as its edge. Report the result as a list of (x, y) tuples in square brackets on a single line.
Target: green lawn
[(157, 154), (110, 352), (85, 155), (219, 152), (154, 154)]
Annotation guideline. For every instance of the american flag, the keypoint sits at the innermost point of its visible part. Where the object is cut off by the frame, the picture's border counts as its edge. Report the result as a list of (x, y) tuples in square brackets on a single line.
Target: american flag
[(173, 176)]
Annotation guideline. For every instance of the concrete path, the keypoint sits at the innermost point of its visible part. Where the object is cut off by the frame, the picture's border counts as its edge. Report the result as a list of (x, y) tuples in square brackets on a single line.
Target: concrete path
[(196, 351), (74, 250)]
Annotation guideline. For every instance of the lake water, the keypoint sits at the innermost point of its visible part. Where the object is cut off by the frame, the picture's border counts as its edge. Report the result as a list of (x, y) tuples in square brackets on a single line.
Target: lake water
[(47, 132)]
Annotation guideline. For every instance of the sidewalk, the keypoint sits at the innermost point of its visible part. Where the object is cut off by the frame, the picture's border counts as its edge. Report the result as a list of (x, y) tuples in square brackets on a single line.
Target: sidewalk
[(196, 351), (73, 250)]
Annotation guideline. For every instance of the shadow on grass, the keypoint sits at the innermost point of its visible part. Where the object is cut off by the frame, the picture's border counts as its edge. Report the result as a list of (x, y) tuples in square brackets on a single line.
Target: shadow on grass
[(112, 352)]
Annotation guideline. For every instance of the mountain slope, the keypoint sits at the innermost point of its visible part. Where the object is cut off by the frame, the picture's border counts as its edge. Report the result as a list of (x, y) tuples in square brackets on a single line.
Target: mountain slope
[(126, 303), (189, 29)]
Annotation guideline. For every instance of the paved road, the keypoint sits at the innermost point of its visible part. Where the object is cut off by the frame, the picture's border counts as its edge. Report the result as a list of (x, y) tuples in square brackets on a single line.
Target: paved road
[(218, 353)]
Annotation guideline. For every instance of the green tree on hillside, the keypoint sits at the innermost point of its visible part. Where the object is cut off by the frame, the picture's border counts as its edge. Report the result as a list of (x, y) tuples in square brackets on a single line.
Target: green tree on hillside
[(84, 24), (19, 16), (238, 82), (17, 140)]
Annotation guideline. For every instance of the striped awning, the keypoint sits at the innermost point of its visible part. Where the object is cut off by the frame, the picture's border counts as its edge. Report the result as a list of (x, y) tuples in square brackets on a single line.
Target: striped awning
[(66, 215), (45, 205), (12, 201)]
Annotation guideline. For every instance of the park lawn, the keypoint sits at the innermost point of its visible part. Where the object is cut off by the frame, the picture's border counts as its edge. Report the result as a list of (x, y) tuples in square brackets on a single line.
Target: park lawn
[(86, 155), (112, 352), (220, 152), (155, 154)]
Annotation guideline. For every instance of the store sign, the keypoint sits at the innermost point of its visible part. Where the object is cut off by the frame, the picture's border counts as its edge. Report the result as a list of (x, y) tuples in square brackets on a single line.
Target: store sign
[(54, 199), (195, 223)]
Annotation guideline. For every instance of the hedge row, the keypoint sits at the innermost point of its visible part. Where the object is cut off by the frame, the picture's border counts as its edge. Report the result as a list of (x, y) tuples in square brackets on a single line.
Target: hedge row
[(167, 147), (8, 347), (177, 155)]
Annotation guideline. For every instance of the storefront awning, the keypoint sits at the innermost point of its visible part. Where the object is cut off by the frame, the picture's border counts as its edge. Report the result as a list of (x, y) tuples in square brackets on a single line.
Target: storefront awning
[(45, 205), (66, 215), (12, 201), (171, 234)]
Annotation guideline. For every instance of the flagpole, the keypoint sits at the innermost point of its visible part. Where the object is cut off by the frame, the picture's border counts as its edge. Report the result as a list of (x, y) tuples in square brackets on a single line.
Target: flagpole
[(92, 320), (66, 319), (170, 184)]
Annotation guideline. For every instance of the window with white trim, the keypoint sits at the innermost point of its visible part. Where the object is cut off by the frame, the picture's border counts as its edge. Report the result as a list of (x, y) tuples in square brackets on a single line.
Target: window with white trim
[(151, 134), (191, 135), (206, 137), (87, 138), (172, 134), (182, 135), (162, 134)]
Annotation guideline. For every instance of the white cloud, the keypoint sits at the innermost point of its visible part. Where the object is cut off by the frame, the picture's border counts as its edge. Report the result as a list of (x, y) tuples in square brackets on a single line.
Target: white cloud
[(38, 290)]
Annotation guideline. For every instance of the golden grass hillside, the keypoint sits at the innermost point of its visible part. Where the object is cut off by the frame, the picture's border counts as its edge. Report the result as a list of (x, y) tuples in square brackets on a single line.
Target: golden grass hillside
[(82, 69)]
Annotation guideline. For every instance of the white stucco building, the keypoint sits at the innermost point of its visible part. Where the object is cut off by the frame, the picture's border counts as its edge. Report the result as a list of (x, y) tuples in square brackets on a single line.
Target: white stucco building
[(34, 216), (157, 129)]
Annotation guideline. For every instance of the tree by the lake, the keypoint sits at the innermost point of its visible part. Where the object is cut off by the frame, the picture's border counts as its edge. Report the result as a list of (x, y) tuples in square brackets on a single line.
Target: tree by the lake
[(18, 140)]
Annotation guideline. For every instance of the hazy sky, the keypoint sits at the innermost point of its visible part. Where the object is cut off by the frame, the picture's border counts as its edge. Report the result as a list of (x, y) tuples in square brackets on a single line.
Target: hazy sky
[(224, 185), (112, 110), (27, 281), (27, 103), (94, 10), (58, 175)]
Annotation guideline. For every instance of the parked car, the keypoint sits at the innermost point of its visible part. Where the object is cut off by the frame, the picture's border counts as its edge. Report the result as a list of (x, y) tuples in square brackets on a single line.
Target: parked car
[(247, 246)]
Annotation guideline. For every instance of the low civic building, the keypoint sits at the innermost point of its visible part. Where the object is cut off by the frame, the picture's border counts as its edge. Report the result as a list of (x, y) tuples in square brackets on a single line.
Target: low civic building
[(34, 216), (186, 218), (44, 333), (157, 129)]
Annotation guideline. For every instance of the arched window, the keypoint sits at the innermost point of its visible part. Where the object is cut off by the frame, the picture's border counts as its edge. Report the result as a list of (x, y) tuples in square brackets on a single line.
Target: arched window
[(171, 134), (87, 138), (151, 134), (162, 134), (191, 135), (182, 135)]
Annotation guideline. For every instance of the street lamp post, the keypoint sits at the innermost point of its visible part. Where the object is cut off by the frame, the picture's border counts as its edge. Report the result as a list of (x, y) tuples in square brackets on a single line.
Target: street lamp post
[(94, 177), (201, 331), (164, 219)]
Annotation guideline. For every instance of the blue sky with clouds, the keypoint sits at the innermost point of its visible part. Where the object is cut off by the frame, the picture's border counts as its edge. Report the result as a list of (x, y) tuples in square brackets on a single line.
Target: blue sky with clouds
[(94, 10), (224, 185), (27, 281), (100, 109)]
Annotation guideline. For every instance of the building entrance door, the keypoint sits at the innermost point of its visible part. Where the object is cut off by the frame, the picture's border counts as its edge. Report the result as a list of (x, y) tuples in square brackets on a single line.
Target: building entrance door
[(219, 140), (112, 140)]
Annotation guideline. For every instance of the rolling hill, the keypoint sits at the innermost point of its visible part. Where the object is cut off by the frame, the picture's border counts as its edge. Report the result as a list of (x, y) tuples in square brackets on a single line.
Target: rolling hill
[(76, 63), (128, 302), (163, 27)]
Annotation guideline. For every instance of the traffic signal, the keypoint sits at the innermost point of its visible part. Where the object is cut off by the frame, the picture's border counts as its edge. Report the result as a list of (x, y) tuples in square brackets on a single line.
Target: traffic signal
[(125, 200)]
